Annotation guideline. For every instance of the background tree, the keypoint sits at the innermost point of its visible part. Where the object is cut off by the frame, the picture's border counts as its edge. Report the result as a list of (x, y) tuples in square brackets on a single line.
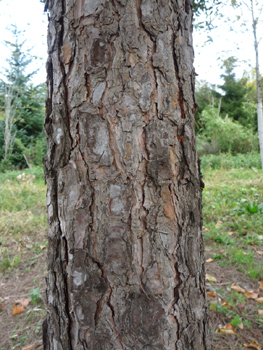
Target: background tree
[(125, 255), (255, 8), (25, 101), (10, 99), (250, 104), (255, 20), (235, 91), (206, 96)]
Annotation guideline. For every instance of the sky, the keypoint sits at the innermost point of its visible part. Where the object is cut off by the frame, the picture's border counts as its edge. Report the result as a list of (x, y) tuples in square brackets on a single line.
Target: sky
[(230, 38), (28, 16)]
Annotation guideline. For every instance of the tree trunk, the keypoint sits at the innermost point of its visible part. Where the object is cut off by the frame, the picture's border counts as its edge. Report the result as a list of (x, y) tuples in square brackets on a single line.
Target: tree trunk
[(259, 88), (126, 253)]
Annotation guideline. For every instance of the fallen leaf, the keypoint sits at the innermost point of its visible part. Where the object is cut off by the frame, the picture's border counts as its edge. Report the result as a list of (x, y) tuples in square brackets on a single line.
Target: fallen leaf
[(230, 233), (20, 306), (225, 304), (251, 243), (261, 285), (259, 300), (252, 294), (244, 253), (29, 347), (219, 224), (42, 247), (227, 329), (259, 252), (237, 288), (209, 260), (211, 294), (260, 312), (2, 305), (254, 345), (210, 278), (241, 326)]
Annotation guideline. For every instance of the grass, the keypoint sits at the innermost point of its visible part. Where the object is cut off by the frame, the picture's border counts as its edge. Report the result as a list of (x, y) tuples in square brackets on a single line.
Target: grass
[(233, 222), (12, 175), (23, 227), (228, 161)]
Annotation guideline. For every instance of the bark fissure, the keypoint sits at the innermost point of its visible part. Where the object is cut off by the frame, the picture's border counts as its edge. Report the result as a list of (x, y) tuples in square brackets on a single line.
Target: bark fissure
[(180, 82), (112, 318)]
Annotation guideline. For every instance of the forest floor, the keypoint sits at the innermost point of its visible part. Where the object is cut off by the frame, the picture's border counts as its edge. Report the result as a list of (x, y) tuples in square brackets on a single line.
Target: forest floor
[(233, 231)]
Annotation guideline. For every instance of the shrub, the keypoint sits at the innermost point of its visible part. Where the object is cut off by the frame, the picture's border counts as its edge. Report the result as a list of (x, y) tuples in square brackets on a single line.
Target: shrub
[(224, 135), (11, 175)]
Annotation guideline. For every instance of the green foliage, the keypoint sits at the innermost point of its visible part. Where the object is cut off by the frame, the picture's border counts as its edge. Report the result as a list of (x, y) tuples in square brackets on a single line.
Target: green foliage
[(223, 239), (228, 161), (235, 132), (20, 145), (8, 262), (35, 296), (38, 152), (209, 8), (5, 164), (24, 197), (233, 221), (224, 135), (205, 95), (245, 263), (23, 339), (236, 321), (234, 93), (29, 117), (12, 175), (253, 208)]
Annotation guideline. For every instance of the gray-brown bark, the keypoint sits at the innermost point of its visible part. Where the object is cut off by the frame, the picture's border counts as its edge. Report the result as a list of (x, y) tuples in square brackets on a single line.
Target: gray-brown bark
[(125, 257), (259, 88)]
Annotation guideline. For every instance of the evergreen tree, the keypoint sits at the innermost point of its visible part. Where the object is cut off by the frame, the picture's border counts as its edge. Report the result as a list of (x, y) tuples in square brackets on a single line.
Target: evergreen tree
[(234, 93), (29, 99)]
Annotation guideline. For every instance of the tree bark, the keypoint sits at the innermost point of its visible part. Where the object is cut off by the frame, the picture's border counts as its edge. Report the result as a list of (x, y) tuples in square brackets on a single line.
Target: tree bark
[(259, 88), (126, 253)]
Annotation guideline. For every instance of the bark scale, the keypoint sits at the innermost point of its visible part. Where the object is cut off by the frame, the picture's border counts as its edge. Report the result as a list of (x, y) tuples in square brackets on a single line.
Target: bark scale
[(126, 254)]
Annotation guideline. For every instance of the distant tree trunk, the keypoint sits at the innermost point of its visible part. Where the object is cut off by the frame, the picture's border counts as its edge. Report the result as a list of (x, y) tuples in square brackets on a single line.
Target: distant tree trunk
[(259, 88), (9, 115), (126, 253)]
